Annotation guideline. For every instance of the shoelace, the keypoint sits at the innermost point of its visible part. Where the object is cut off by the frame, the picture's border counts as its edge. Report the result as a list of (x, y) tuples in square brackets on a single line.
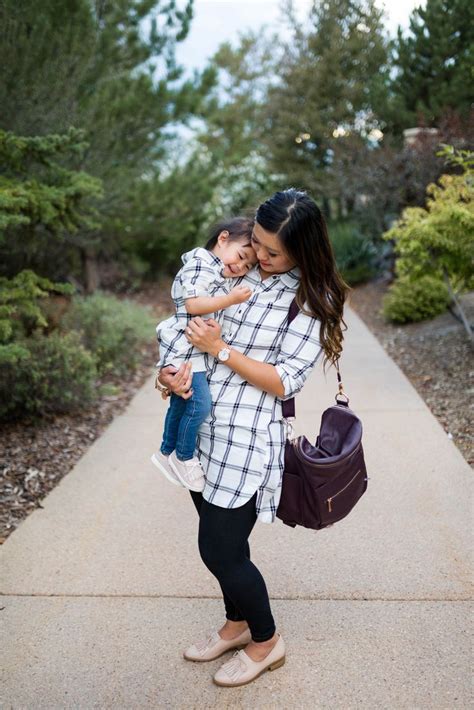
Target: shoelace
[(234, 666)]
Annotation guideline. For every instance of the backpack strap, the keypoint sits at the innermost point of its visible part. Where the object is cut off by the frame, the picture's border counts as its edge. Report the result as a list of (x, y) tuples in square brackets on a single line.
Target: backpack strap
[(288, 405)]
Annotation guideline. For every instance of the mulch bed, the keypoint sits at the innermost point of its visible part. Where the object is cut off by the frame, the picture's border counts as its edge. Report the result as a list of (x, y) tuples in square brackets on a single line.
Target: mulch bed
[(434, 355)]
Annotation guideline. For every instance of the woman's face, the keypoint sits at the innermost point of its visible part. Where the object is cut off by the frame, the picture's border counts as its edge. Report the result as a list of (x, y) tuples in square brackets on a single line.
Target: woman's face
[(271, 255)]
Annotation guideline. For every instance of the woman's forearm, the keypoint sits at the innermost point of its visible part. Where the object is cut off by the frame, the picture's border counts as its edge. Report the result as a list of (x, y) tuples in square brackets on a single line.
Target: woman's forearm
[(261, 374)]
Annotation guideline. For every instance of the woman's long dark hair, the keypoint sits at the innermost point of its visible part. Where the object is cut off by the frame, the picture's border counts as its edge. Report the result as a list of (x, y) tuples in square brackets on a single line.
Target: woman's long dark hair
[(298, 222)]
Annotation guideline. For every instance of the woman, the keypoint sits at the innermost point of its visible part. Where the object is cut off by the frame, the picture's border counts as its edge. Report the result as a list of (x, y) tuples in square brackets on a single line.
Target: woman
[(256, 362)]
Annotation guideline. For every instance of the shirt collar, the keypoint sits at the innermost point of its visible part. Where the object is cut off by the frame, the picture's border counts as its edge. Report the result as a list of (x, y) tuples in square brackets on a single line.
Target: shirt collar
[(208, 256), (288, 279), (291, 278)]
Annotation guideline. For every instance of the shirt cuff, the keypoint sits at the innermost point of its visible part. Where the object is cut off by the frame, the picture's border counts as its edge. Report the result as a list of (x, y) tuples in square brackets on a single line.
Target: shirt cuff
[(193, 292), (286, 381)]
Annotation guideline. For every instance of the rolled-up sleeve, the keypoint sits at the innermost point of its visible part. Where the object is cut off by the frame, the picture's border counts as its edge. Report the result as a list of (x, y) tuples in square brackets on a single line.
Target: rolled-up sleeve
[(300, 350), (196, 277)]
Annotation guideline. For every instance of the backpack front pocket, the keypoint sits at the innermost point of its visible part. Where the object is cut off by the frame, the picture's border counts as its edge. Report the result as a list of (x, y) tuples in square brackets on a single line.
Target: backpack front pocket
[(336, 499)]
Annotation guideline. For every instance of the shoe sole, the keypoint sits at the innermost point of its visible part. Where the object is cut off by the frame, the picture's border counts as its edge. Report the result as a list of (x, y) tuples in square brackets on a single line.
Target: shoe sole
[(183, 482), (204, 660), (163, 470), (271, 667)]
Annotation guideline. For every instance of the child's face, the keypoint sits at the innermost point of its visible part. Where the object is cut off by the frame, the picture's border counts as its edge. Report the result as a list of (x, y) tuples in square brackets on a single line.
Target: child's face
[(238, 256)]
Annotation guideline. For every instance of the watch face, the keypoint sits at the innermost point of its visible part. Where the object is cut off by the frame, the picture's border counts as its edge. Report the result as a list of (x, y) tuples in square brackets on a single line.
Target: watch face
[(223, 355)]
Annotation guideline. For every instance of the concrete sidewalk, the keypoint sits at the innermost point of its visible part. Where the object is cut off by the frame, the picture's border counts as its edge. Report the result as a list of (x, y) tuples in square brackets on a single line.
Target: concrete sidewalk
[(104, 586)]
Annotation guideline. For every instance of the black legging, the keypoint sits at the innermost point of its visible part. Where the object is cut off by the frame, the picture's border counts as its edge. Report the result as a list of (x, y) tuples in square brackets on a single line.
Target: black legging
[(224, 549)]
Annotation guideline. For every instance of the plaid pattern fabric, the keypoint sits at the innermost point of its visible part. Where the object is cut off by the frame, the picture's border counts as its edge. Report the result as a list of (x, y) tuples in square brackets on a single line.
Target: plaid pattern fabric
[(241, 443), (200, 276)]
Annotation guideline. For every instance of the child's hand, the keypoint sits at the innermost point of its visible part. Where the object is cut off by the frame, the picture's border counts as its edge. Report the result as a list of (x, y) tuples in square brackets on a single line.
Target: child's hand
[(239, 294)]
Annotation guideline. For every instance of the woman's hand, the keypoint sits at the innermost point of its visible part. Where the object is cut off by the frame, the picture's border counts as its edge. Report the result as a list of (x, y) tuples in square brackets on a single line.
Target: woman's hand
[(205, 335), (177, 380)]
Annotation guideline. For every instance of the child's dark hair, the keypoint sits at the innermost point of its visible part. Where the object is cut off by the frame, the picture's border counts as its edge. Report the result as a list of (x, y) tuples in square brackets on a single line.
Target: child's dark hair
[(238, 228)]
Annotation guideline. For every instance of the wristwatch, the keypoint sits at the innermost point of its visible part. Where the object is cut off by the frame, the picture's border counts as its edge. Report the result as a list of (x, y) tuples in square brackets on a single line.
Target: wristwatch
[(223, 355)]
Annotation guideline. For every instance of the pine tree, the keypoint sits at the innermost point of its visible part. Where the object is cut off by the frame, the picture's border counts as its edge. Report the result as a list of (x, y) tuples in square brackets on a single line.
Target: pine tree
[(108, 68), (45, 54), (235, 111), (45, 209), (434, 62), (331, 77)]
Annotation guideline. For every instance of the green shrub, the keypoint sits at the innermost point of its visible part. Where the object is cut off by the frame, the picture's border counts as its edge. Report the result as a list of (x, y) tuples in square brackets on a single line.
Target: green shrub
[(111, 329), (435, 246), (409, 301), (22, 301), (440, 237), (39, 373), (46, 374), (354, 253)]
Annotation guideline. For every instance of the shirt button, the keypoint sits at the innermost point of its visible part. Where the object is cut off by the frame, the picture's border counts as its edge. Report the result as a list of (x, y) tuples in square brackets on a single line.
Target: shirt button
[(274, 277)]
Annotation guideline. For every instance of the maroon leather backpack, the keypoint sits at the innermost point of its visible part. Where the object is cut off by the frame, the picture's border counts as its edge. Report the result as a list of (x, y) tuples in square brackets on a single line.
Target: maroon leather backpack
[(324, 481)]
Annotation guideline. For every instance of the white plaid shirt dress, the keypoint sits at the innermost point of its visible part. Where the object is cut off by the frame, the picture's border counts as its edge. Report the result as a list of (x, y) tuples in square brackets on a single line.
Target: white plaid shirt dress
[(241, 443), (201, 275)]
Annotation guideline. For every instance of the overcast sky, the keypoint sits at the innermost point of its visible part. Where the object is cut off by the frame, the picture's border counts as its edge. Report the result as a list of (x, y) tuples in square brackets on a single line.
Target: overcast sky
[(217, 21)]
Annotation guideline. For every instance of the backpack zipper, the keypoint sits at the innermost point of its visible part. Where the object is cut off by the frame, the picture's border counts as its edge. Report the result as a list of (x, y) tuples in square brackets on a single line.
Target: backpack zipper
[(329, 500)]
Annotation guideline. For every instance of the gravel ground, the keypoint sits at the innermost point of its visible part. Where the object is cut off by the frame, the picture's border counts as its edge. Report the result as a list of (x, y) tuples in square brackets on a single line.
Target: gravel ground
[(434, 355)]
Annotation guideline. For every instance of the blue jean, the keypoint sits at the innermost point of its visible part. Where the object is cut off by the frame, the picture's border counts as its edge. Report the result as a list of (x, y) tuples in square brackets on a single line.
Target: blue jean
[(184, 417)]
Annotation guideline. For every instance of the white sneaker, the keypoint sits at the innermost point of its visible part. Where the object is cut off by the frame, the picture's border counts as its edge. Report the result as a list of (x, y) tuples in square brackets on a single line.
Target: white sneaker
[(162, 463), (190, 472)]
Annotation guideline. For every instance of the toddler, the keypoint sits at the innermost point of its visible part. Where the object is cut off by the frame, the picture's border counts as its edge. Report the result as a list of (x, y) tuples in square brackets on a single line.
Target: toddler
[(203, 286)]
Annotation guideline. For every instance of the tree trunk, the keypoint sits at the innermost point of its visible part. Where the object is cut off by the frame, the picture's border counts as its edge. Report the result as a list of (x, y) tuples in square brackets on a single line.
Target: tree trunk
[(457, 303), (90, 270)]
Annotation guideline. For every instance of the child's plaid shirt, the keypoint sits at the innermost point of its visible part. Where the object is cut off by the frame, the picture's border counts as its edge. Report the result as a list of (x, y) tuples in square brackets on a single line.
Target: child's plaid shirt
[(201, 275)]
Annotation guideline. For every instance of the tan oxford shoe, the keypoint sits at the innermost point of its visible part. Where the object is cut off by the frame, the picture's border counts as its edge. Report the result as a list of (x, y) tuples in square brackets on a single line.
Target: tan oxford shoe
[(241, 669), (212, 646)]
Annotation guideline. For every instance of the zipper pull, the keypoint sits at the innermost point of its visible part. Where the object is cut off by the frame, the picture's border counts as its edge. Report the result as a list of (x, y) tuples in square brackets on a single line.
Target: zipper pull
[(329, 504)]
